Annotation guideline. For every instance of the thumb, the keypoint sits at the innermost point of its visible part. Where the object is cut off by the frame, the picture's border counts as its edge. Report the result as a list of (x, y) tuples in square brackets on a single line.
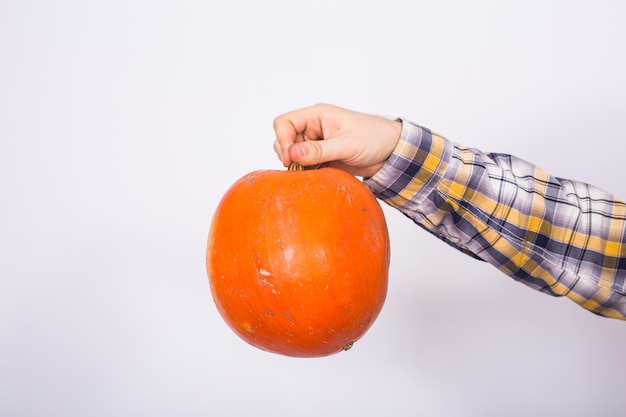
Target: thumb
[(316, 152)]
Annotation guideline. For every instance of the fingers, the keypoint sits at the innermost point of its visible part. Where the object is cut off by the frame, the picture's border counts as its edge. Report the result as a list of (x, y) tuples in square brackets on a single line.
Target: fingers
[(317, 152), (279, 151), (285, 137), (297, 126)]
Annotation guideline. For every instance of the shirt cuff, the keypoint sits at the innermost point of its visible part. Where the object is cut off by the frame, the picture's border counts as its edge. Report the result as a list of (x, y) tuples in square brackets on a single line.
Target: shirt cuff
[(414, 169)]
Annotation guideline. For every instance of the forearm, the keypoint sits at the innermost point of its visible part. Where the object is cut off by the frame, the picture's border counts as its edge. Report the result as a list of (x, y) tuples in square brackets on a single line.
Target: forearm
[(557, 236)]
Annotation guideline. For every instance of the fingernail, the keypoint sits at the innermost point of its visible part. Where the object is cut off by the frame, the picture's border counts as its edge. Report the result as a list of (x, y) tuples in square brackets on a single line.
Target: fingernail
[(297, 151)]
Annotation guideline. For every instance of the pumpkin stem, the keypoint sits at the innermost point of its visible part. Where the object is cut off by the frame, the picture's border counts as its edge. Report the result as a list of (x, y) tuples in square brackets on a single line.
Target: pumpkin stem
[(294, 166), (348, 346)]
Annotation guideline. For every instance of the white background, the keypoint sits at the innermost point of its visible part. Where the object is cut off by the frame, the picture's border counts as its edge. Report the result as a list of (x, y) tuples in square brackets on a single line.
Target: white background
[(122, 123)]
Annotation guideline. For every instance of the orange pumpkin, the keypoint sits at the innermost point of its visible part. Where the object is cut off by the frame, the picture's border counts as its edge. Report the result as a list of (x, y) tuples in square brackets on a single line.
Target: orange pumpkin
[(297, 260)]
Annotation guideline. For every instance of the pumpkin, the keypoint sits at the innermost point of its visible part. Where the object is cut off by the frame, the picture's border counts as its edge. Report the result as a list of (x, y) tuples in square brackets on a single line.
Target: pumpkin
[(298, 260)]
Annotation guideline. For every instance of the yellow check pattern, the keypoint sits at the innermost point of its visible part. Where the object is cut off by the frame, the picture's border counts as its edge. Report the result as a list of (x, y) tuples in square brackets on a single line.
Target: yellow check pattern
[(558, 236)]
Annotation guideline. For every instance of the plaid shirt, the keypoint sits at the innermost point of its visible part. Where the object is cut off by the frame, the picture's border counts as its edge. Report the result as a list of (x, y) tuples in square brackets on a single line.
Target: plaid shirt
[(558, 236)]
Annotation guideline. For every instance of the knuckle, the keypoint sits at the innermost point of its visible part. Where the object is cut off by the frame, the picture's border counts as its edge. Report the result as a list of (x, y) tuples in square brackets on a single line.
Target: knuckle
[(277, 122)]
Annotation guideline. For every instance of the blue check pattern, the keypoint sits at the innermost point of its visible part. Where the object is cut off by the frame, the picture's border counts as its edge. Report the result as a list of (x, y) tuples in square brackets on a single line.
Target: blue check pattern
[(558, 236)]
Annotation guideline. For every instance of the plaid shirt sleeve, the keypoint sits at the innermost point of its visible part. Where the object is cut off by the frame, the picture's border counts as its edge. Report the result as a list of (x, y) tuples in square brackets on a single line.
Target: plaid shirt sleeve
[(558, 236)]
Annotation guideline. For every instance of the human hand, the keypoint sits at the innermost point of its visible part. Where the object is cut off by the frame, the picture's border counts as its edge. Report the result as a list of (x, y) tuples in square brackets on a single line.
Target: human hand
[(327, 135)]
